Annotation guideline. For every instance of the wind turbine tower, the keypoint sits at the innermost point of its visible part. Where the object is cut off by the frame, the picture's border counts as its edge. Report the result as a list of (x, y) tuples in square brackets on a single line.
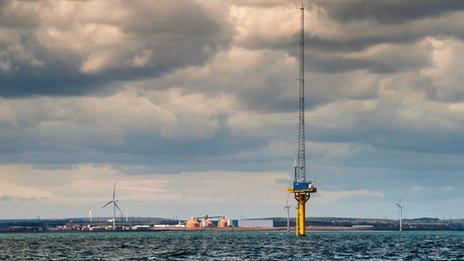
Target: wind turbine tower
[(287, 208), (90, 215), (302, 188), (400, 212), (113, 201)]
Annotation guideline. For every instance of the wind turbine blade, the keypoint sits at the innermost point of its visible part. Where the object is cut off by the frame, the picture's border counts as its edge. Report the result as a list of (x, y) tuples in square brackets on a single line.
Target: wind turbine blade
[(114, 190), (117, 206), (109, 202)]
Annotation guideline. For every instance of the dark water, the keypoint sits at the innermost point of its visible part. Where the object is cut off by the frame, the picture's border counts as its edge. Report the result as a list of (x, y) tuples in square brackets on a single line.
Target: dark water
[(234, 246)]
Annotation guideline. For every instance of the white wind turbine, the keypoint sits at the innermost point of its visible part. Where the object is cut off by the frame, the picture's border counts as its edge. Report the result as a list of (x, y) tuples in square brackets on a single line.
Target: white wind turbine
[(287, 207), (90, 215), (400, 212), (114, 201)]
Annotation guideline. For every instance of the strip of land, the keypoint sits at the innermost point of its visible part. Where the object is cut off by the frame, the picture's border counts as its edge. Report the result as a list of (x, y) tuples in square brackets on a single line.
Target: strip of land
[(103, 224)]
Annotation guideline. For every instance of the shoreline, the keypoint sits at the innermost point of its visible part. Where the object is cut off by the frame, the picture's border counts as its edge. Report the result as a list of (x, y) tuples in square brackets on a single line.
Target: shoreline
[(310, 229)]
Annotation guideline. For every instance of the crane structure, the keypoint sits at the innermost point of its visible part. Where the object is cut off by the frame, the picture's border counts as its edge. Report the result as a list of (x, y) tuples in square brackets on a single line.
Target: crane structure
[(301, 188)]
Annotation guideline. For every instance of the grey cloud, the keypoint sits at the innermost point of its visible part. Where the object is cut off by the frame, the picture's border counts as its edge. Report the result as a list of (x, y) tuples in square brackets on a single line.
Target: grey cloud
[(259, 3), (219, 152), (77, 56), (124, 128), (11, 198), (156, 39), (385, 93), (266, 82), (356, 33), (394, 12), (13, 16), (339, 65), (263, 80), (269, 81), (386, 59), (392, 123)]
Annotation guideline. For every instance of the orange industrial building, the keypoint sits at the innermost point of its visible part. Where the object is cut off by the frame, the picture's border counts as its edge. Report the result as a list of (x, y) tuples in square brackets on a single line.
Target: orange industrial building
[(192, 224), (206, 222)]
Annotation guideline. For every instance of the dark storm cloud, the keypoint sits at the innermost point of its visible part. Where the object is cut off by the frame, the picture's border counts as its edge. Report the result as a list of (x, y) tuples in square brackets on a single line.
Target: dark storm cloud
[(392, 12), (185, 44), (14, 17), (319, 44), (57, 74), (40, 57), (159, 37), (123, 129), (167, 155), (316, 43), (355, 26), (388, 124), (395, 139), (338, 65)]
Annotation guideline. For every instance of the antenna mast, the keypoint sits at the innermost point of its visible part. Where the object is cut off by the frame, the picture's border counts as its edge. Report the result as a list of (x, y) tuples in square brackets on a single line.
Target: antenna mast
[(301, 189), (301, 175)]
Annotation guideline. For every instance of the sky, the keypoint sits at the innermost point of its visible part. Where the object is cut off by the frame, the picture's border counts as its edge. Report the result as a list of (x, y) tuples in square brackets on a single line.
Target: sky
[(191, 107)]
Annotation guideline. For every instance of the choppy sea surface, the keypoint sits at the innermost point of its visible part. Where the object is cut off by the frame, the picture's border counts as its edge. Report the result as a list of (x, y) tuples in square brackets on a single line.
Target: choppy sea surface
[(227, 245)]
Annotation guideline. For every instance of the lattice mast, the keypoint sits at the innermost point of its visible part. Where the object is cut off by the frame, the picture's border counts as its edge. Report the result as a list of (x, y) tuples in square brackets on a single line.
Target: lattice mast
[(301, 171), (301, 188)]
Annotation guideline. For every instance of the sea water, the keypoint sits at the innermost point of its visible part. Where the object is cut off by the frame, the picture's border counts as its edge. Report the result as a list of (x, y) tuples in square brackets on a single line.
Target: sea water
[(227, 245)]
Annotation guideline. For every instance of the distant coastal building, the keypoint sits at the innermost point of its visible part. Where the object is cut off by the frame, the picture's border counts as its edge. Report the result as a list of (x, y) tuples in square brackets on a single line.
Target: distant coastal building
[(257, 223), (362, 226)]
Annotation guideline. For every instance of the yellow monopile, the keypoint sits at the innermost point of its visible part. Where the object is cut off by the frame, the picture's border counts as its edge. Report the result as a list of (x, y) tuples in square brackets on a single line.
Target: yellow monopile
[(301, 196)]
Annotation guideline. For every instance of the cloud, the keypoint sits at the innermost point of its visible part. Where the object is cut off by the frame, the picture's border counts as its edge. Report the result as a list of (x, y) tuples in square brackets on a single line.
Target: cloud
[(190, 92), (11, 198), (392, 12), (397, 119), (258, 78), (334, 45), (44, 52), (144, 123), (444, 72), (418, 189), (60, 54), (361, 194), (436, 188)]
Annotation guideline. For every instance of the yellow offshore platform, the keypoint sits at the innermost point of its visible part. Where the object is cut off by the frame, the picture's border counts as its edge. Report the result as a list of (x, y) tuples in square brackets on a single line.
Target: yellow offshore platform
[(302, 188)]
